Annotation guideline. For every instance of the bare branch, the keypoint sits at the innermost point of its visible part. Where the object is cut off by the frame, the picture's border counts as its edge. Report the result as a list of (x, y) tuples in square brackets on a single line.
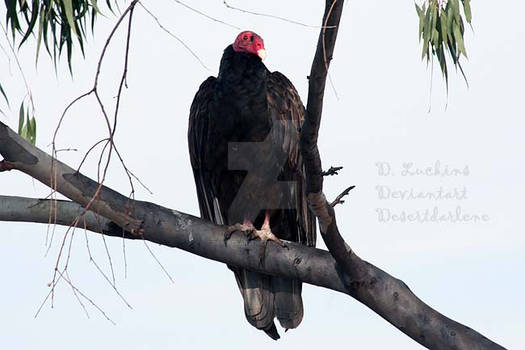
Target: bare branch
[(161, 26), (339, 199), (387, 296), (206, 15), (192, 234), (269, 16), (38, 164)]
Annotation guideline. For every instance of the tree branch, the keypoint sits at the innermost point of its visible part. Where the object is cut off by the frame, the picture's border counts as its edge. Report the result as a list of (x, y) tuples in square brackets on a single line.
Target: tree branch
[(387, 296), (180, 230), (112, 214)]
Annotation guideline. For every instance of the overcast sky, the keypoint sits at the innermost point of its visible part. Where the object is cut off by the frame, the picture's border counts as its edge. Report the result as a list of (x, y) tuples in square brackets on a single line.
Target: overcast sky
[(376, 117)]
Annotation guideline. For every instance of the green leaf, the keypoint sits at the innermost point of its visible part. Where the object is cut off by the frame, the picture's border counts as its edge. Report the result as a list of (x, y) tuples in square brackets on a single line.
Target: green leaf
[(433, 21), (68, 7), (459, 38), (33, 127), (21, 119), (435, 37), (421, 16), (95, 6), (426, 34), (23, 133), (444, 28), (455, 9), (32, 22), (3, 94), (418, 10), (39, 36), (468, 11), (12, 15)]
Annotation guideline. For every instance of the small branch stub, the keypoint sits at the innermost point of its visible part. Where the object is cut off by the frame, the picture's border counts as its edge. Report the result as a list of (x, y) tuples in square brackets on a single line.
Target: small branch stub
[(6, 166), (332, 171), (339, 199)]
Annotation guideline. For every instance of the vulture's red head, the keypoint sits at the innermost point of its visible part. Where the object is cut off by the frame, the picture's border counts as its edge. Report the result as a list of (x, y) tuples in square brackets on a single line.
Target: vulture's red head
[(251, 43)]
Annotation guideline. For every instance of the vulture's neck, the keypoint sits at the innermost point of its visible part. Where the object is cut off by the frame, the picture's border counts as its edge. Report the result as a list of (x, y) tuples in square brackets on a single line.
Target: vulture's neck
[(242, 78)]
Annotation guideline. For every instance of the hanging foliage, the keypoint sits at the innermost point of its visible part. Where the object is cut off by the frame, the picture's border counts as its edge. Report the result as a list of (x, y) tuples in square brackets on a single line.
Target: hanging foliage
[(2, 92), (441, 30), (26, 124), (55, 22)]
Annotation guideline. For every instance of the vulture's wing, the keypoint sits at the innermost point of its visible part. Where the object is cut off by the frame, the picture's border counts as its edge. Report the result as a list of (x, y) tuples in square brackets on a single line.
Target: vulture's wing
[(285, 106), (199, 150), (255, 288)]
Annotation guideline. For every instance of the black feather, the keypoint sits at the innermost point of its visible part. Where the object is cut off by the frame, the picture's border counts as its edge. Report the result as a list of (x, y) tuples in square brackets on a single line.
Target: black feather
[(250, 118)]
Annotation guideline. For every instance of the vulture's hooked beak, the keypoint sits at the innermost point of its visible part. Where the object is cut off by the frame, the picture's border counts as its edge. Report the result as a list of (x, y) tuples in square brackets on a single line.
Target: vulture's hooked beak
[(261, 53)]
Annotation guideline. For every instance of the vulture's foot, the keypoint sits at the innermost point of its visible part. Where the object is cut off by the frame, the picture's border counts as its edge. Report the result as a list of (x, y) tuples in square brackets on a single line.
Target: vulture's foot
[(246, 227), (265, 234)]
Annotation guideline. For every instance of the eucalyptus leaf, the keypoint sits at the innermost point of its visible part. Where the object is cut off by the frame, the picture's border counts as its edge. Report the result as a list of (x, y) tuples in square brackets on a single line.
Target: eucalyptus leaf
[(21, 118), (459, 38), (468, 11), (4, 94), (33, 123), (62, 24), (68, 6)]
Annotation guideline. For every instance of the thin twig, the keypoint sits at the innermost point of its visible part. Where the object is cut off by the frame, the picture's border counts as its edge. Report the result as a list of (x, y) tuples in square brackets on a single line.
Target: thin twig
[(109, 141), (174, 36), (206, 15), (271, 16), (89, 301), (158, 262), (13, 52), (77, 295), (106, 248), (92, 260), (324, 50)]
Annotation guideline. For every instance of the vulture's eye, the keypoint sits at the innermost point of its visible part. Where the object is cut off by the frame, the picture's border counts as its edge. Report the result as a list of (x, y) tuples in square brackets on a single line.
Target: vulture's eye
[(245, 37)]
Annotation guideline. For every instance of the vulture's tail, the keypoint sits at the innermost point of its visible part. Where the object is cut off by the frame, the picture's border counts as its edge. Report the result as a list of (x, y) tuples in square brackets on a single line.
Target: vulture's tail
[(266, 297)]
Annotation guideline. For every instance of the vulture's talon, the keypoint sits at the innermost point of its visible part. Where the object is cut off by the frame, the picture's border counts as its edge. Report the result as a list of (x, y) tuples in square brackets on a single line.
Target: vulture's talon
[(265, 235), (246, 227)]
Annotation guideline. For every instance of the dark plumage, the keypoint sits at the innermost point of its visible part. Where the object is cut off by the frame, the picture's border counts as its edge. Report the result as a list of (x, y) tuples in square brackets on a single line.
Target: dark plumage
[(244, 147)]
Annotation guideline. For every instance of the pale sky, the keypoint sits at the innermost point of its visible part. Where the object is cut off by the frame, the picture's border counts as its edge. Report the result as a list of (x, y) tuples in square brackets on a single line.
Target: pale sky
[(470, 271)]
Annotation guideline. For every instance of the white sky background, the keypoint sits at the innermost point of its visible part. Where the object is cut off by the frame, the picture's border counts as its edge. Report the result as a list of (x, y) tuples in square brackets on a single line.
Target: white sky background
[(471, 272)]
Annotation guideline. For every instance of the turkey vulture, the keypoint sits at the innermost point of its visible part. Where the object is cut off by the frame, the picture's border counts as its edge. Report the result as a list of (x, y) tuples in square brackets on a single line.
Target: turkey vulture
[(243, 137)]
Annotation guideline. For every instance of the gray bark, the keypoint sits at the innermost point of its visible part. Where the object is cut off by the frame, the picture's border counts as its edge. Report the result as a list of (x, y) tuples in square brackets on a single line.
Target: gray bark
[(179, 230)]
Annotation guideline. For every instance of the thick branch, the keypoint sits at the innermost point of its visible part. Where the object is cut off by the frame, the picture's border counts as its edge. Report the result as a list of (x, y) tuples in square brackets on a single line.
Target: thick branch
[(383, 293), (387, 296), (175, 229), (23, 156)]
